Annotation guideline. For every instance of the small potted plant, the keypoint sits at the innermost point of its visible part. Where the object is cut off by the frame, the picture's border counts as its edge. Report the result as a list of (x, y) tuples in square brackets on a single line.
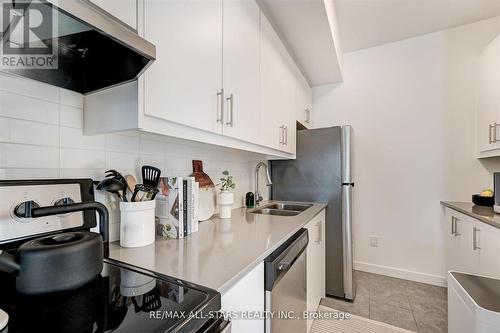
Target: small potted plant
[(226, 196)]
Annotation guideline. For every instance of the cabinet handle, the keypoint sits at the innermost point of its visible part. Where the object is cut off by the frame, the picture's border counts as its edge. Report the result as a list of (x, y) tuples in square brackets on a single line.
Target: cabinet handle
[(474, 238), (230, 103), (281, 134), (308, 117), (220, 106), (456, 226), (285, 131), (492, 133), (319, 239), (453, 225)]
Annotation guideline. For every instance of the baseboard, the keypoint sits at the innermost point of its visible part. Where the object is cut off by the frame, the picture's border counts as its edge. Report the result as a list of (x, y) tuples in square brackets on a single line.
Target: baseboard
[(401, 273)]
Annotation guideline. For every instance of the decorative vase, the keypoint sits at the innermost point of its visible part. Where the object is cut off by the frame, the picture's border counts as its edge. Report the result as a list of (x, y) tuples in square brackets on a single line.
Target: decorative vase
[(226, 200), (206, 208)]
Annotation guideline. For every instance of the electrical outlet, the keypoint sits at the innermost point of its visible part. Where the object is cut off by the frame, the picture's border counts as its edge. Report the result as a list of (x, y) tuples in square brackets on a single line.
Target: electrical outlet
[(373, 241)]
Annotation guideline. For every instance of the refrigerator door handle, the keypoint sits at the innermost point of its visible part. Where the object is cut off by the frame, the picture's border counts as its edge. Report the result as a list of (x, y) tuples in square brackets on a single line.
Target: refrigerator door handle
[(347, 241)]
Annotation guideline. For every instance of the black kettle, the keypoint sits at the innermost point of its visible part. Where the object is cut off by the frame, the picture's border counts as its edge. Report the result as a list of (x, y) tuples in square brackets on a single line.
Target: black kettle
[(61, 261)]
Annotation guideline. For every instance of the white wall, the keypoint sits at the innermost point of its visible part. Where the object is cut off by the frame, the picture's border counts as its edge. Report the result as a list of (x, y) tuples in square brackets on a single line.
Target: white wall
[(411, 104), (41, 137)]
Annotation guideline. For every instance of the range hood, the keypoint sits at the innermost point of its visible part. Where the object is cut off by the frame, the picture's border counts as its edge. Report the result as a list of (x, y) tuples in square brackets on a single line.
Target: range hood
[(94, 51)]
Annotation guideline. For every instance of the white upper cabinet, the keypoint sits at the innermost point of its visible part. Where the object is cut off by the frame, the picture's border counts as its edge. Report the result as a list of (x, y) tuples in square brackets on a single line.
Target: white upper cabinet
[(124, 10), (182, 85), (241, 68), (277, 90), (221, 76), (488, 101), (303, 104)]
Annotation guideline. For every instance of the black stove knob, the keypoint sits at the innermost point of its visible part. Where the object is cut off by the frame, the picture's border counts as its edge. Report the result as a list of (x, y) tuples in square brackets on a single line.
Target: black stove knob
[(64, 201), (24, 209)]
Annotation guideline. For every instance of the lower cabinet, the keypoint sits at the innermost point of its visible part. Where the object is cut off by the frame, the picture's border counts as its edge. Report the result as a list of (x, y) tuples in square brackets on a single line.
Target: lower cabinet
[(246, 295), (471, 246), (315, 263)]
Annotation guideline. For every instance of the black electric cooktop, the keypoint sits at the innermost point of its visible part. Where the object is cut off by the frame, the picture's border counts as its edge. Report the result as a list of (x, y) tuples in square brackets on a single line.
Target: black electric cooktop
[(119, 300)]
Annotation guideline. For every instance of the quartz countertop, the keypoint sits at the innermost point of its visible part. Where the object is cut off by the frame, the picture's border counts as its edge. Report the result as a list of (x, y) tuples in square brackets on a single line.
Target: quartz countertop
[(482, 213), (221, 252)]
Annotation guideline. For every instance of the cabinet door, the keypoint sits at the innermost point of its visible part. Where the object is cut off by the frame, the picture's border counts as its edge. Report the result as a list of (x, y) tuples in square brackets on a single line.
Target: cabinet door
[(487, 113), (241, 66), (183, 83), (487, 247), (271, 74), (277, 91), (315, 263), (303, 100), (467, 260), (288, 105), (247, 295), (460, 255), (124, 10), (451, 241)]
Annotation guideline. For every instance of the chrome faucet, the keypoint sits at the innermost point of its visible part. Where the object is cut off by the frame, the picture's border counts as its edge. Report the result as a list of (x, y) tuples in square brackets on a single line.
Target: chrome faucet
[(258, 196)]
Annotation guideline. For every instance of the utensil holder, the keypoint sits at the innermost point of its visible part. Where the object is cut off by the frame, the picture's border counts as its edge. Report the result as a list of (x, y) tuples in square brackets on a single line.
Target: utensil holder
[(137, 223)]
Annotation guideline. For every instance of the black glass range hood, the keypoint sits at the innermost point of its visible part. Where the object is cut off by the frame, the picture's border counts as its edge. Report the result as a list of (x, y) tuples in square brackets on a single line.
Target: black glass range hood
[(91, 50)]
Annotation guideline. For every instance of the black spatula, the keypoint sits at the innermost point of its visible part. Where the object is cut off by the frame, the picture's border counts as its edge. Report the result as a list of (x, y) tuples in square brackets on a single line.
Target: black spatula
[(150, 175)]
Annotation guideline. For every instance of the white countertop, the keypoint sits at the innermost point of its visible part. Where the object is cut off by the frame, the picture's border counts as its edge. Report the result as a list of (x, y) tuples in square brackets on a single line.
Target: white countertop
[(221, 252)]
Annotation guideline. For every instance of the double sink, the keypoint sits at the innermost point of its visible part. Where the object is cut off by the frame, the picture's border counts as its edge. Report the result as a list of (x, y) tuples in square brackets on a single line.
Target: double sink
[(282, 209)]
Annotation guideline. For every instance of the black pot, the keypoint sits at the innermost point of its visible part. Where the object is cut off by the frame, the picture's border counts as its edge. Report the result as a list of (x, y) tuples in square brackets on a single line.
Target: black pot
[(55, 263)]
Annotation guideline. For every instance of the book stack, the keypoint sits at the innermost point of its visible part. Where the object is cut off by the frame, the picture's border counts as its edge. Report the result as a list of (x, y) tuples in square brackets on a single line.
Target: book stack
[(177, 207)]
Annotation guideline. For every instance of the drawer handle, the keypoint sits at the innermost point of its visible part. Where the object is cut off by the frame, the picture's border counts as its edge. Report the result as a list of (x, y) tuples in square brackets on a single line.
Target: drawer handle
[(475, 232)]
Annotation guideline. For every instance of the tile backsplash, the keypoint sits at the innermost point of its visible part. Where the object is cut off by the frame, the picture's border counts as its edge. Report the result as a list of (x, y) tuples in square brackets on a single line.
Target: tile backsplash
[(41, 136)]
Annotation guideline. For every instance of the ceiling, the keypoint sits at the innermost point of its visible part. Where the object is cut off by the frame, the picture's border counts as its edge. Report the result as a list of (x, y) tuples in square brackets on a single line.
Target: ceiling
[(367, 23)]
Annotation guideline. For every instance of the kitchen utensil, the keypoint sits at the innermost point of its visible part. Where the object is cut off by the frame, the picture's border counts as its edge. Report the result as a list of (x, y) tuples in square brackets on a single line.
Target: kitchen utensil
[(112, 185), (131, 182), (479, 200), (150, 175), (143, 192), (208, 194), (118, 176), (4, 319), (150, 302), (164, 187)]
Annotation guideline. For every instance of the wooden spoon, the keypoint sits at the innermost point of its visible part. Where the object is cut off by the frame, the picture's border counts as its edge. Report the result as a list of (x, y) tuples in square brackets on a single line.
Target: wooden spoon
[(131, 182)]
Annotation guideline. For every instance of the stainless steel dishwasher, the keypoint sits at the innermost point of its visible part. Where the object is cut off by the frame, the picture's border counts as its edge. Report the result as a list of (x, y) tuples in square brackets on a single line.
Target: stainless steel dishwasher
[(286, 287)]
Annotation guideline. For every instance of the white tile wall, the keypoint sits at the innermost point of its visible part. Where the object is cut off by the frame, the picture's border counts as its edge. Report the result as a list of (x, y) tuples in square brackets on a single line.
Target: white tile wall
[(41, 136)]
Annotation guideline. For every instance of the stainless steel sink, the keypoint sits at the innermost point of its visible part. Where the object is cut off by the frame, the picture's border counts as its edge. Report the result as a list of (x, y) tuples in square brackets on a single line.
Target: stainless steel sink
[(282, 209), (288, 206), (277, 212)]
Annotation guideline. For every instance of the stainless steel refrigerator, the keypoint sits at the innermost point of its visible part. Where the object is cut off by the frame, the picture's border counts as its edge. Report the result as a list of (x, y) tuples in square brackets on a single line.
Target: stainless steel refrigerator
[(322, 173)]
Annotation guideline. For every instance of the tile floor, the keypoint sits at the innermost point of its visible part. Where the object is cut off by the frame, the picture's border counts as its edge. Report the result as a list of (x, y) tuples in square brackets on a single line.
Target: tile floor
[(411, 305)]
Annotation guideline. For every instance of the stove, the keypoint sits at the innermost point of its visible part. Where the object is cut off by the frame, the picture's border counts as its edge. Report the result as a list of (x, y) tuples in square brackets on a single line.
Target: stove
[(120, 299)]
